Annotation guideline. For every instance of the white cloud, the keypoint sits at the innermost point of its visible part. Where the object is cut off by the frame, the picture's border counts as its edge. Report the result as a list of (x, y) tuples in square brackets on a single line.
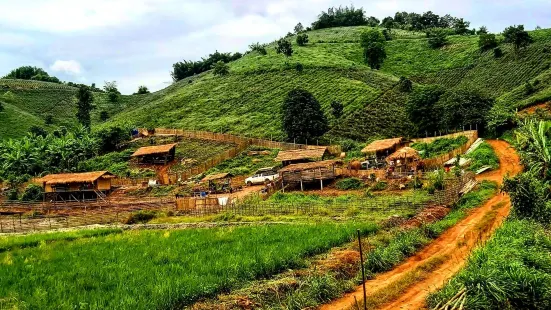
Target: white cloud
[(67, 66)]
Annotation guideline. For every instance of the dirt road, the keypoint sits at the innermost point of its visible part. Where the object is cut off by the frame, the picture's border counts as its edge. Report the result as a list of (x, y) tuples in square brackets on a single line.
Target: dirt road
[(455, 244)]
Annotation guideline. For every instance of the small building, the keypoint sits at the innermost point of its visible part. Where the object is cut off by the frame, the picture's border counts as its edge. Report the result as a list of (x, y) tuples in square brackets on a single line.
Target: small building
[(157, 154), (218, 182), (308, 173), (404, 158), (301, 155), (384, 147), (76, 186)]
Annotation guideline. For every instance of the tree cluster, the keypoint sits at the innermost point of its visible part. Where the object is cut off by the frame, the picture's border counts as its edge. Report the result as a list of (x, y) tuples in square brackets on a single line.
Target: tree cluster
[(112, 91), (373, 42), (182, 70), (427, 20), (31, 73), (340, 17), (432, 109), (303, 119)]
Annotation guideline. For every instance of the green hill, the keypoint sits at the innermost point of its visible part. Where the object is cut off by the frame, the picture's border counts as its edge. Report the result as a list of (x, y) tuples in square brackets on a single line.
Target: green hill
[(248, 100), (29, 103)]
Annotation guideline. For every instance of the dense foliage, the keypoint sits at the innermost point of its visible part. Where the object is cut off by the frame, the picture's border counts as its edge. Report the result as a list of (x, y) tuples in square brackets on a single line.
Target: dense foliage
[(422, 109), (483, 155), (60, 151), (302, 39), (220, 68), (142, 90), (303, 118), (517, 36), (187, 68), (84, 106), (284, 46), (336, 17), (373, 42), (31, 73), (487, 41), (437, 38)]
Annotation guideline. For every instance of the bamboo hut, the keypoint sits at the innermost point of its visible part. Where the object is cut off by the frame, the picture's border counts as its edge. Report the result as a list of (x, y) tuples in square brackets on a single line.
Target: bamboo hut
[(308, 173), (214, 179), (158, 154), (383, 147), (404, 158), (301, 156), (76, 186)]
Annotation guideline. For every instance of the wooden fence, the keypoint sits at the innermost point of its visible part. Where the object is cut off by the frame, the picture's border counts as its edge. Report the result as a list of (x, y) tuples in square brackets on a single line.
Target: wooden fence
[(438, 162), (23, 217)]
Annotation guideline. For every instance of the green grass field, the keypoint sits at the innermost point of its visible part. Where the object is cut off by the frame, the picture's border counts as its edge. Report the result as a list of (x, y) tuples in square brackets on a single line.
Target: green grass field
[(158, 269)]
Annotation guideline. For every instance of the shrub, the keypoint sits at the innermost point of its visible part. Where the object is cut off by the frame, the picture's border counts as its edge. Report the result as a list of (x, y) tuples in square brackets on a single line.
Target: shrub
[(498, 52), (299, 67), (220, 68), (483, 155), (349, 183), (529, 197), (140, 217), (379, 186), (32, 192), (487, 41), (437, 38), (302, 39)]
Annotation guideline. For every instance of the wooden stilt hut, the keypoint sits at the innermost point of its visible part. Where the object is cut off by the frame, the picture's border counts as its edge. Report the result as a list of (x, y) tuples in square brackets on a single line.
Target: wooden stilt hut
[(308, 173), (76, 186), (382, 148), (157, 154), (301, 156), (403, 159)]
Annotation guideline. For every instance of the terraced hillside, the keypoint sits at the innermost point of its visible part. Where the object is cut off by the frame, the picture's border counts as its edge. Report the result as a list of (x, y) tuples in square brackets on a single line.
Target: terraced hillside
[(248, 100), (29, 103)]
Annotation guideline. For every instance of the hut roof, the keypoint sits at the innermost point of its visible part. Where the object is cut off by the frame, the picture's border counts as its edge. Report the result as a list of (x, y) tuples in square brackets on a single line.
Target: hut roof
[(218, 176), (405, 152), (156, 149), (382, 145), (308, 166), (66, 178), (313, 153)]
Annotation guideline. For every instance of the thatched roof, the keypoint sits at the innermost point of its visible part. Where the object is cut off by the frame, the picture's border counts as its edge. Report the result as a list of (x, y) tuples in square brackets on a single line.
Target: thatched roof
[(405, 152), (313, 154), (382, 145), (308, 166), (66, 178), (218, 176), (156, 149)]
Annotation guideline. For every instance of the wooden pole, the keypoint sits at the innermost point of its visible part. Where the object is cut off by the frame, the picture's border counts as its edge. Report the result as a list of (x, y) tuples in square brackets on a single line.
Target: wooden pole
[(362, 266)]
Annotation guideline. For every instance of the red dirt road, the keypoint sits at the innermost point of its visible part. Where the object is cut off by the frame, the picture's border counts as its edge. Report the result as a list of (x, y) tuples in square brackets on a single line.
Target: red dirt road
[(457, 243)]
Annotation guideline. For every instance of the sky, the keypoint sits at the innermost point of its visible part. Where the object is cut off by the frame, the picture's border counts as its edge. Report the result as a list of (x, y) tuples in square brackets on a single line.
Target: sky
[(135, 42)]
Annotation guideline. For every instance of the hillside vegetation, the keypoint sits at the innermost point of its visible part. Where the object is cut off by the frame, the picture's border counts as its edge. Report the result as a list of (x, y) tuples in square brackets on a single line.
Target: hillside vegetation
[(31, 103), (331, 66)]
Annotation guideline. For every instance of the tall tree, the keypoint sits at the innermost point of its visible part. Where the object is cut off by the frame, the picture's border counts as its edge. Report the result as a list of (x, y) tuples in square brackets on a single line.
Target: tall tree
[(336, 109), (303, 118), (112, 91), (437, 38), (487, 41), (302, 39), (142, 90), (299, 28), (463, 107), (517, 36), (422, 110), (84, 105), (373, 43)]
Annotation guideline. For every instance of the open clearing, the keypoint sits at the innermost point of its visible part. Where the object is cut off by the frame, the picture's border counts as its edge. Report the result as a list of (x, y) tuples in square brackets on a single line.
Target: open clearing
[(457, 243)]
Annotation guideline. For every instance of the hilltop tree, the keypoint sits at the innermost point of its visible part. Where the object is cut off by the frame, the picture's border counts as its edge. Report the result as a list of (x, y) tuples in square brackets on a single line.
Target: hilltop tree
[(259, 48), (303, 118), (336, 109), (372, 21), (517, 36), (421, 108), (112, 91), (142, 90), (461, 26), (299, 28), (487, 41), (284, 47), (84, 105), (388, 22), (31, 73), (302, 39), (373, 43), (482, 30), (220, 68), (437, 38), (340, 17)]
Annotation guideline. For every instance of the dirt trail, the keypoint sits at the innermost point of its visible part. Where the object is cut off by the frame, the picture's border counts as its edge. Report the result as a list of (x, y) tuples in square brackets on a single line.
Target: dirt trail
[(457, 243)]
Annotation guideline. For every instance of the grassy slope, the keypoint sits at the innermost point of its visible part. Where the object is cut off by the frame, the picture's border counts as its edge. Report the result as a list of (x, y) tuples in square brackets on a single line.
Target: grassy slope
[(249, 99), (28, 102)]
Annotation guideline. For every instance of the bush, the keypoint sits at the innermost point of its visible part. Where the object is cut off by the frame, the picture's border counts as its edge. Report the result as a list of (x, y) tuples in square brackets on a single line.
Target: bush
[(140, 217), (487, 41), (32, 192), (483, 155), (302, 39), (498, 52), (299, 67), (529, 197), (349, 183), (437, 38), (379, 186)]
